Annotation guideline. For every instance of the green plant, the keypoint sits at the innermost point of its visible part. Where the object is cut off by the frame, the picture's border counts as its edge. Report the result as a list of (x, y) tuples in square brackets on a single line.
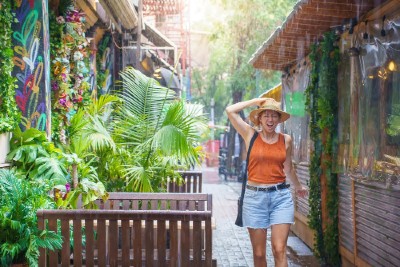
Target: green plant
[(321, 103), (20, 237), (9, 113), (37, 158), (90, 140), (159, 133)]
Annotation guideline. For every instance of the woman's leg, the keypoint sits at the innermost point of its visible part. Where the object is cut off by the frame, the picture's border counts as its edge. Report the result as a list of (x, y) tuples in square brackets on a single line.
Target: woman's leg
[(279, 237), (258, 239)]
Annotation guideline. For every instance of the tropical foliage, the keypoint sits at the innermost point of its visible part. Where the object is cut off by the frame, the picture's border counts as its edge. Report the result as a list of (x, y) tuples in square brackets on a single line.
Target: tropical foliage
[(159, 133), (321, 102), (244, 26), (39, 160), (20, 237), (9, 112)]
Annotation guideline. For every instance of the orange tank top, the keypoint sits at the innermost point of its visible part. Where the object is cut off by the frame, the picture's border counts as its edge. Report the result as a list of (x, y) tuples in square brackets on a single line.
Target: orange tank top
[(266, 161)]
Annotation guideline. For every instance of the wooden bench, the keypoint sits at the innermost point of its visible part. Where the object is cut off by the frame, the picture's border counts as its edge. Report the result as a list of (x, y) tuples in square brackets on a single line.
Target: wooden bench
[(134, 229), (157, 201), (192, 183)]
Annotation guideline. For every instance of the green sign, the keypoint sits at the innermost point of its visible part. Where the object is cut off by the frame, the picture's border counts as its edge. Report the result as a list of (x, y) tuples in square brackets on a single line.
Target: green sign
[(295, 104)]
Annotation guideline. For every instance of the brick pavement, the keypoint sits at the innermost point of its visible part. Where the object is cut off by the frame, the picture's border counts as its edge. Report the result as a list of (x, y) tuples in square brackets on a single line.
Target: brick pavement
[(231, 244)]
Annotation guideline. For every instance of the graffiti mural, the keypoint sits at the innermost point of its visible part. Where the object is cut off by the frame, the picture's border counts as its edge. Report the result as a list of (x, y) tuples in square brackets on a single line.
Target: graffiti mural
[(31, 63), (105, 67)]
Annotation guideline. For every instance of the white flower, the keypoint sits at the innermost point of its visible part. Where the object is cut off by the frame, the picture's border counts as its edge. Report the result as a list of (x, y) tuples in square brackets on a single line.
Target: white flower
[(78, 56), (60, 20)]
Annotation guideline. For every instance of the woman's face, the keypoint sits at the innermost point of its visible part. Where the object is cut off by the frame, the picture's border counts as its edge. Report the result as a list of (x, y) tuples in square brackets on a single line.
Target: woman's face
[(269, 119)]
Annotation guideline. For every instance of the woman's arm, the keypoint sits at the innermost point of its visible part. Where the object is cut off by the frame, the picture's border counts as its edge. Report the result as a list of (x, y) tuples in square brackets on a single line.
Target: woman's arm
[(244, 129), (289, 169)]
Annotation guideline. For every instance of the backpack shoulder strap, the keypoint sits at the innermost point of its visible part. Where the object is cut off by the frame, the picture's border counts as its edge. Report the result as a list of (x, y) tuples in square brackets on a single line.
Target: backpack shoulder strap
[(250, 146), (244, 181)]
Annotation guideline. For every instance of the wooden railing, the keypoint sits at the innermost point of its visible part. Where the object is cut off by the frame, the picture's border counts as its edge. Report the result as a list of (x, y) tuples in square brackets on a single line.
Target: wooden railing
[(192, 183), (134, 229)]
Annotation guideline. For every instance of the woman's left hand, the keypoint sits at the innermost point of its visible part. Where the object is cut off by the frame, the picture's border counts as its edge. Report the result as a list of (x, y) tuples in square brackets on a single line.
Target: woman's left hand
[(301, 191)]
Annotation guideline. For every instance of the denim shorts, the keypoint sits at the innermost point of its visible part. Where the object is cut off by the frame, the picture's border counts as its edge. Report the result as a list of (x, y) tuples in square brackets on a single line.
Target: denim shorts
[(261, 209)]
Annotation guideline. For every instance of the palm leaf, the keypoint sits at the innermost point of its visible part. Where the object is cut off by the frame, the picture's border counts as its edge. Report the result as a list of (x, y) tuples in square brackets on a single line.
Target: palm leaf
[(100, 105), (98, 136), (159, 132), (143, 96)]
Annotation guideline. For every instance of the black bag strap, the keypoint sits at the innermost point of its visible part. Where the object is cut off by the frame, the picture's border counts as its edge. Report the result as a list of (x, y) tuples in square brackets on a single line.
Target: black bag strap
[(244, 182)]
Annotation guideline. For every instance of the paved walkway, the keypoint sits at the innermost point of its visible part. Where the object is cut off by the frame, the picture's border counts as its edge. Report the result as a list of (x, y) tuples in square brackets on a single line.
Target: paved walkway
[(231, 244)]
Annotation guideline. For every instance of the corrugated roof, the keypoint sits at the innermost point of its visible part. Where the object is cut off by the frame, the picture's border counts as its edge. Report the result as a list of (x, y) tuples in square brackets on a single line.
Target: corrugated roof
[(306, 23)]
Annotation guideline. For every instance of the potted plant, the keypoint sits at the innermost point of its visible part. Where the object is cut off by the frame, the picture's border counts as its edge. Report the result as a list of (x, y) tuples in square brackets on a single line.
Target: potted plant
[(20, 237), (9, 112)]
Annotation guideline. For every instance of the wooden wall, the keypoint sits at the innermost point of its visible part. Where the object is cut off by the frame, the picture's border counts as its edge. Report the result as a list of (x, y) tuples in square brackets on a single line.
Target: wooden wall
[(369, 219)]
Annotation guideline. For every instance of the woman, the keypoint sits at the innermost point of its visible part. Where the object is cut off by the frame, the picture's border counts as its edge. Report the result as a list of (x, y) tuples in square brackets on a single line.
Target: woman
[(267, 201)]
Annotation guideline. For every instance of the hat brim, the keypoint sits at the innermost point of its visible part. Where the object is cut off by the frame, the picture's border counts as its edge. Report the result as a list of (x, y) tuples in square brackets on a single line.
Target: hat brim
[(254, 115)]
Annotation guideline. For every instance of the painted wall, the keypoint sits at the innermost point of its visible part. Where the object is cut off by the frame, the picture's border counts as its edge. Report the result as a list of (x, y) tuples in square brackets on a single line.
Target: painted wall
[(31, 60)]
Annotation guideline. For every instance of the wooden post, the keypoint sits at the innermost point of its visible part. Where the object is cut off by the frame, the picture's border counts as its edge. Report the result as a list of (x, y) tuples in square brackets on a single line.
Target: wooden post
[(354, 99), (139, 33)]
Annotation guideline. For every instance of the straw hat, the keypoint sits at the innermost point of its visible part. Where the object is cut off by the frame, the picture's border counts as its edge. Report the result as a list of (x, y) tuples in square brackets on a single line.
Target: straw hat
[(269, 104)]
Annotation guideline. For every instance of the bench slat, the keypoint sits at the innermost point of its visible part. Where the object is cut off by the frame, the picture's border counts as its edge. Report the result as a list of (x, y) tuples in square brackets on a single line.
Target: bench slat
[(101, 241), (208, 243), (173, 228), (137, 243), (185, 243), (149, 237), (197, 243), (89, 231), (161, 243), (65, 255), (125, 242), (53, 257), (113, 242)]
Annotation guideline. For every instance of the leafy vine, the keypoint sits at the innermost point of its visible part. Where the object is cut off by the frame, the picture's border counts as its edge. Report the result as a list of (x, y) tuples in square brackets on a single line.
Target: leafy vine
[(10, 114), (321, 102)]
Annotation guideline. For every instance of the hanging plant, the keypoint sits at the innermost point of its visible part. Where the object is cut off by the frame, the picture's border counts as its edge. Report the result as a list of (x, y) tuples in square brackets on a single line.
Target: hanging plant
[(314, 198), (321, 101), (9, 113)]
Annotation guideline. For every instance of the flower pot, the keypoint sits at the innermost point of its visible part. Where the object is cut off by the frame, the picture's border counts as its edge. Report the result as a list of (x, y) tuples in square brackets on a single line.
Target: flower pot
[(4, 146)]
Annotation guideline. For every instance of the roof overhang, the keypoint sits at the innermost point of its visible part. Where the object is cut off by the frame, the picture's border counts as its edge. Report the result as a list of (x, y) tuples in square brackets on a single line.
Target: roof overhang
[(121, 11), (305, 25), (160, 41), (156, 37), (113, 14)]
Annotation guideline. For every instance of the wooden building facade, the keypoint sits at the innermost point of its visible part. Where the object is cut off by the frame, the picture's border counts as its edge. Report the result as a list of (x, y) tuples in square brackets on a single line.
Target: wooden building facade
[(367, 142)]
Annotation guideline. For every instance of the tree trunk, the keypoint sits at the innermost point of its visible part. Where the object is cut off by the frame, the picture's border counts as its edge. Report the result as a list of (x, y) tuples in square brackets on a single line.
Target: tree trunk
[(75, 175)]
